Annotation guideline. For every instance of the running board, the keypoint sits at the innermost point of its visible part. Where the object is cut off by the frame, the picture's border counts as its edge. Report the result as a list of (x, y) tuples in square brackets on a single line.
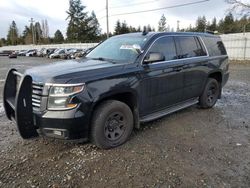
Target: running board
[(169, 110)]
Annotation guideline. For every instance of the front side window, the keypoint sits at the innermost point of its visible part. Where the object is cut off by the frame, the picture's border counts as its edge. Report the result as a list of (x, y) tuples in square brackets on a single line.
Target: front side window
[(165, 46), (189, 46)]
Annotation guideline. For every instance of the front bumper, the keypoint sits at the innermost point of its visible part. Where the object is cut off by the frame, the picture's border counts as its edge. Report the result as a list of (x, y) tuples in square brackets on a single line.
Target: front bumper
[(69, 125)]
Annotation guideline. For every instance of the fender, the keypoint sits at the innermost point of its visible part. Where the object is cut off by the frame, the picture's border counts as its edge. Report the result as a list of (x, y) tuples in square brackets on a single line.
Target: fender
[(118, 95)]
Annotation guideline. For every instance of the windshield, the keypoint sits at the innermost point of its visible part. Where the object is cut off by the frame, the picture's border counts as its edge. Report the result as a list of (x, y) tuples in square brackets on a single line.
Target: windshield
[(120, 49)]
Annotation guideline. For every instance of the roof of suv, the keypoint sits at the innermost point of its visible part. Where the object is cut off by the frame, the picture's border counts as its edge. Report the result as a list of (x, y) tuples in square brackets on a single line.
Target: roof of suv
[(151, 34)]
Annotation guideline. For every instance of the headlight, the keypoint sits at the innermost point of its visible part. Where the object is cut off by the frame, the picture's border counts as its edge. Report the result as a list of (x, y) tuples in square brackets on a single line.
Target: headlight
[(61, 95)]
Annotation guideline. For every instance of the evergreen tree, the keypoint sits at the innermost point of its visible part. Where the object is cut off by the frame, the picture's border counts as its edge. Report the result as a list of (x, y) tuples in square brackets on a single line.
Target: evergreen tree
[(201, 24), (213, 25), (162, 24), (58, 37), (3, 41), (243, 24), (139, 29), (221, 26), (78, 28), (118, 27), (27, 35), (228, 24), (124, 28), (149, 29), (94, 28), (12, 36), (38, 33)]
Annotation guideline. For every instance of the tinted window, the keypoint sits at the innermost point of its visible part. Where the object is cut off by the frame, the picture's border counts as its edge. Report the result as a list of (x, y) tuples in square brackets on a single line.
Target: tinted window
[(189, 46), (166, 46), (215, 46)]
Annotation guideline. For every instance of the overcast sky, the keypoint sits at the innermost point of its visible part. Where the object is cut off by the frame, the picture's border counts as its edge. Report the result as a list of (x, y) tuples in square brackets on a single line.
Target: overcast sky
[(55, 12)]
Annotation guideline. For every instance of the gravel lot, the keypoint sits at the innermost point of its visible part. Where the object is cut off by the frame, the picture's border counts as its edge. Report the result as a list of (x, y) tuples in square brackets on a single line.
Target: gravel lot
[(190, 148)]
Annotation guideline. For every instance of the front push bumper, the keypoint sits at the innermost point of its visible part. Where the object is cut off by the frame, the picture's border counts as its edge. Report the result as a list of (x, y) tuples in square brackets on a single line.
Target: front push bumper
[(17, 98)]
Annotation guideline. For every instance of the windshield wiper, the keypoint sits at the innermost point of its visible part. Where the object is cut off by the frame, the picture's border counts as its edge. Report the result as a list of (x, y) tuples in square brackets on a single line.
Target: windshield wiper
[(104, 59)]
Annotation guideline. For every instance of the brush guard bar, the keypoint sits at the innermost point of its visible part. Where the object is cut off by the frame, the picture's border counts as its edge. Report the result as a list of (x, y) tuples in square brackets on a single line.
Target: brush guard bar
[(17, 100)]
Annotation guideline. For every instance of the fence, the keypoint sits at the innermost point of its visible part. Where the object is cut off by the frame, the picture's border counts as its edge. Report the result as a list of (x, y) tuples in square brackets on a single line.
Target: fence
[(237, 45), (65, 45)]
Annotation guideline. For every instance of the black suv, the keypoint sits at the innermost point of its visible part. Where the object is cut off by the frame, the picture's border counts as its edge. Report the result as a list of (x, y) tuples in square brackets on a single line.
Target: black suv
[(124, 81)]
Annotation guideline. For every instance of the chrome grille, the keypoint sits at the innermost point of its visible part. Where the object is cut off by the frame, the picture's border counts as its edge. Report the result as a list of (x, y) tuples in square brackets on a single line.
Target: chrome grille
[(37, 91)]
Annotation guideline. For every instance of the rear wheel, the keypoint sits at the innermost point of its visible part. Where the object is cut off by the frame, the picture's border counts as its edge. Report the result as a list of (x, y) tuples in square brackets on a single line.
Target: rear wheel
[(112, 124), (210, 94)]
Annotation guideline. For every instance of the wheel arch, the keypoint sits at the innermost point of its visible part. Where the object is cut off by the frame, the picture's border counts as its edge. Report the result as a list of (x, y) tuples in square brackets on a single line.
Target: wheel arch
[(217, 75), (129, 97)]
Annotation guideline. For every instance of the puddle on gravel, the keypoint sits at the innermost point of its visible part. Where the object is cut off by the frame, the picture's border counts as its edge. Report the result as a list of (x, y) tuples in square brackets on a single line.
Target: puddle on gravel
[(234, 103), (235, 94)]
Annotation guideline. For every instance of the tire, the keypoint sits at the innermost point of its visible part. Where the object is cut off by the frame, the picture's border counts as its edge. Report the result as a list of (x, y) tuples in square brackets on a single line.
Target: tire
[(210, 94), (112, 124)]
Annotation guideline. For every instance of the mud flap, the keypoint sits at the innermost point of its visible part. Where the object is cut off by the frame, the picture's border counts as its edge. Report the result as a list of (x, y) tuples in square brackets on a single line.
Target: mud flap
[(17, 99)]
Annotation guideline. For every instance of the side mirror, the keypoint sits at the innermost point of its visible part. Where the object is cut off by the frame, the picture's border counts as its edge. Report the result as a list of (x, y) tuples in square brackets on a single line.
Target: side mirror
[(154, 57)]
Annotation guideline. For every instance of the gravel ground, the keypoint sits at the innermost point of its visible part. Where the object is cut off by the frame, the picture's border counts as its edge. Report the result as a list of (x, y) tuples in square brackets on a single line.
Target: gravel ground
[(190, 148)]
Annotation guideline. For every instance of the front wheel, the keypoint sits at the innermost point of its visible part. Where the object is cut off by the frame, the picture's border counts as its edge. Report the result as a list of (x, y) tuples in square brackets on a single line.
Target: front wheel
[(112, 124), (210, 94)]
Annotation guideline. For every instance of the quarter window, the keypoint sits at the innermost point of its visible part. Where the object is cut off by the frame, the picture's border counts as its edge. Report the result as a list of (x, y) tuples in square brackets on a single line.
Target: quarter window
[(189, 46), (166, 46), (215, 46)]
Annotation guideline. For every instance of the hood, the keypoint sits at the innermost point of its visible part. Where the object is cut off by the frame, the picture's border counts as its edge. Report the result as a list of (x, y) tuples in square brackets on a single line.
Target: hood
[(64, 71)]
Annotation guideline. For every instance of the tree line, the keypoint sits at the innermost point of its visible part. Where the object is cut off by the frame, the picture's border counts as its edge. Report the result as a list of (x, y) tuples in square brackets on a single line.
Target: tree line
[(227, 25), (84, 27)]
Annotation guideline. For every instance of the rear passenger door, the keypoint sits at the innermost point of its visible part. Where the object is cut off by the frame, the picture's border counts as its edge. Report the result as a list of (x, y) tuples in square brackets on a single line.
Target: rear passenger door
[(162, 82), (193, 55)]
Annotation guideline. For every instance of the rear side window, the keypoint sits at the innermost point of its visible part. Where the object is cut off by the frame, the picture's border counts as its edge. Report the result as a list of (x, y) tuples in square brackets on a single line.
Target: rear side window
[(189, 46), (166, 46), (215, 46)]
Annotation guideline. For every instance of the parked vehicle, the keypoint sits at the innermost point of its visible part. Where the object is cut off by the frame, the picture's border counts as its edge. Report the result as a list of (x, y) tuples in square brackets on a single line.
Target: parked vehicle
[(57, 53), (124, 81), (5, 52), (22, 52), (81, 53), (41, 52), (31, 53), (13, 55), (73, 53), (50, 51), (67, 53)]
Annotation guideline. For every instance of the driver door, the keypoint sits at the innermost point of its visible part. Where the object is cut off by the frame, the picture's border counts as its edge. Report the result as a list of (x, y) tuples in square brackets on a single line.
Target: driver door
[(162, 82)]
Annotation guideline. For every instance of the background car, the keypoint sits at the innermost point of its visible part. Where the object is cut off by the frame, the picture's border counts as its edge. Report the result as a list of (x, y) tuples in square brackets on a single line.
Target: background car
[(41, 52), (5, 52), (13, 55), (58, 53), (50, 51), (31, 53), (22, 52)]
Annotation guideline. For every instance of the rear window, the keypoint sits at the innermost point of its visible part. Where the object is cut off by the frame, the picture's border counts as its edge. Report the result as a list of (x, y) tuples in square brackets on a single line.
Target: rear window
[(214, 46), (189, 46)]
